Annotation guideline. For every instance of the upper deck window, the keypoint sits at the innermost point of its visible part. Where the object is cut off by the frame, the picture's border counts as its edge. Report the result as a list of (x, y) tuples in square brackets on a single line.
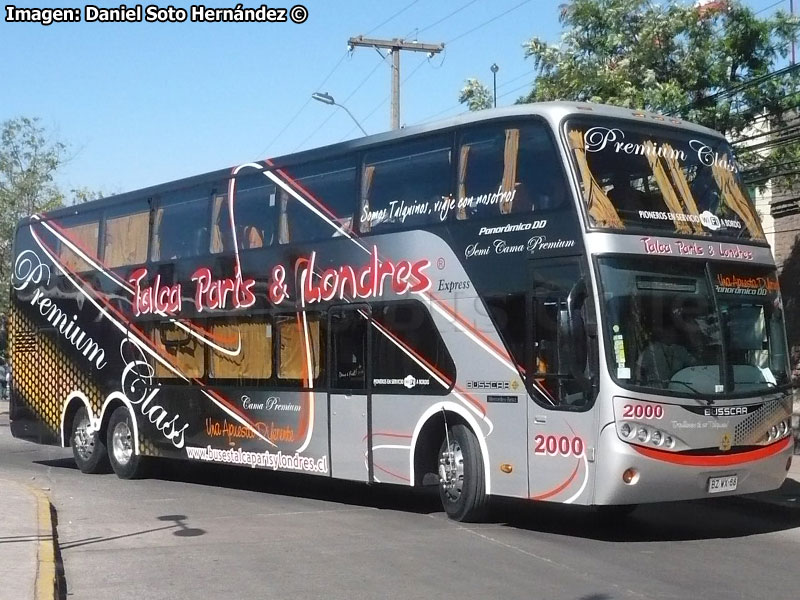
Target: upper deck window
[(328, 192), (180, 225), (507, 169), (406, 185), (254, 215), (653, 178), (125, 239), (81, 235)]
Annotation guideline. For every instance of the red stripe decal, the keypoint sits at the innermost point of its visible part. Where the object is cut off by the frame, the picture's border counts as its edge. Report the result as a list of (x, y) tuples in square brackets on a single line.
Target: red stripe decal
[(717, 460), (560, 488)]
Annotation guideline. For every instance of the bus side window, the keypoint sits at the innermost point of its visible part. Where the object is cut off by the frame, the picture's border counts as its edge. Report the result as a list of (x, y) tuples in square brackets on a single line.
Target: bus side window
[(408, 353), (82, 236), (330, 188), (182, 351), (551, 378), (298, 347), (254, 214), (508, 169), (349, 349), (180, 225), (406, 185), (254, 360), (125, 239)]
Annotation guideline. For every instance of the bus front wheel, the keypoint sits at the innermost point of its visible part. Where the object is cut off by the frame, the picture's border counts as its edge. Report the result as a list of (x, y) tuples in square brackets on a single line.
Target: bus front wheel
[(462, 484), (87, 444), (121, 446)]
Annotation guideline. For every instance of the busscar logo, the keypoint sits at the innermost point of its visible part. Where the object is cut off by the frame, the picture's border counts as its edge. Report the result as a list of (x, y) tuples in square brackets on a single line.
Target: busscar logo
[(488, 385)]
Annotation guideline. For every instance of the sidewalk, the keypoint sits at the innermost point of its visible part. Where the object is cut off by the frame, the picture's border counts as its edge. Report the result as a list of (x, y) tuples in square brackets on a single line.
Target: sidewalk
[(27, 552), (27, 560)]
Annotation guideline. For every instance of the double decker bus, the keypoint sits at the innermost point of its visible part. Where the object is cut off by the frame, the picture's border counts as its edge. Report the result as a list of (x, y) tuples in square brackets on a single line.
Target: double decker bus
[(559, 302)]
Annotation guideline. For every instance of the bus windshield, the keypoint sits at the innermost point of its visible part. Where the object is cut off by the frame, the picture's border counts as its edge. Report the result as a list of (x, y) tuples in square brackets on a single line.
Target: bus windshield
[(691, 329), (660, 179)]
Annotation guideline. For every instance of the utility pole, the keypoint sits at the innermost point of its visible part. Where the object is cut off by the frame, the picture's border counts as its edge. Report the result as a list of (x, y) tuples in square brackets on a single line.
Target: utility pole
[(395, 46)]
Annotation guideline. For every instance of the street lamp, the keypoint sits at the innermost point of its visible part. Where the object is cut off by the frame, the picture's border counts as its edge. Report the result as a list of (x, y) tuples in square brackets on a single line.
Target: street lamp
[(326, 98), (495, 69)]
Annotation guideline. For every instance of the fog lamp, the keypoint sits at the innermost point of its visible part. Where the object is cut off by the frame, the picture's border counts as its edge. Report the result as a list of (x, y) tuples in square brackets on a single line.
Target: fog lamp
[(630, 476)]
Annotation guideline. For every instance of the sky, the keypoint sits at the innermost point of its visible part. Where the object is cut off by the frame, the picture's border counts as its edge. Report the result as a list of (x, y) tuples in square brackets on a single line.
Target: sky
[(144, 103)]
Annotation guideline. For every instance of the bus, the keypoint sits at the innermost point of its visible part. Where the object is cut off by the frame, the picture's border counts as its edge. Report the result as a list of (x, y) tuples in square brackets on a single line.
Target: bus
[(559, 302)]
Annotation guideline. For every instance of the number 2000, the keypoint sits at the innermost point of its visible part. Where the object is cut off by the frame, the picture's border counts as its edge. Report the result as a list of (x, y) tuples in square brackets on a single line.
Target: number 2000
[(642, 411), (552, 445)]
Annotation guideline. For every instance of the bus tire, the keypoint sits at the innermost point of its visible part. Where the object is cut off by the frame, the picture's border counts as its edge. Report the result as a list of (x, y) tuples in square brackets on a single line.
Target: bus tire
[(88, 449), (462, 483), (121, 446)]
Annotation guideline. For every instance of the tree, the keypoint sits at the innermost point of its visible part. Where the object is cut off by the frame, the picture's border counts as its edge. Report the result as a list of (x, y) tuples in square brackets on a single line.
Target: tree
[(712, 62), (29, 159), (476, 95)]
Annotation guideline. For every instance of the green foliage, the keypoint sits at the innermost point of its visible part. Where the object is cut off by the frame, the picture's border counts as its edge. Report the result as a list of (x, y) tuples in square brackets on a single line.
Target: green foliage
[(475, 95), (29, 160), (669, 57)]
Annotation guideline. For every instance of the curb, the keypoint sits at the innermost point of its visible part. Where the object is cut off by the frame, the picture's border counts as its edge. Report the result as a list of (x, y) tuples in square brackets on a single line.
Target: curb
[(47, 580)]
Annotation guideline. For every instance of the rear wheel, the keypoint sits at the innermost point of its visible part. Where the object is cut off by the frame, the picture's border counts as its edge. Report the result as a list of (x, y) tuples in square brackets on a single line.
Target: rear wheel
[(87, 444), (121, 446), (462, 484)]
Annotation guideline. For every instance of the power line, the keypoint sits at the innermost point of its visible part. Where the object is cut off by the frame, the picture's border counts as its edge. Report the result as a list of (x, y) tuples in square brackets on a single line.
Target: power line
[(330, 116), (397, 14), (492, 20), (386, 98), (737, 88), (455, 12), (299, 110), (766, 8)]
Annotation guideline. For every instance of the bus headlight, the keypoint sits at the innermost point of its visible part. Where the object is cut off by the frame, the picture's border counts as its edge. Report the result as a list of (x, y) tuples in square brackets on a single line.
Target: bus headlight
[(625, 430), (642, 434), (773, 432), (656, 437), (782, 429)]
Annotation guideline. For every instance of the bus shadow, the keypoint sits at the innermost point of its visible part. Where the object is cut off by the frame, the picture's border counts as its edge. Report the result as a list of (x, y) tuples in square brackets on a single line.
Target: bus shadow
[(718, 518), (385, 497), (730, 517)]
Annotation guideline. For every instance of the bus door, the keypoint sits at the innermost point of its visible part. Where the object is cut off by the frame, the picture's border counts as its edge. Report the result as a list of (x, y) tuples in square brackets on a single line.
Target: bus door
[(349, 401), (561, 424)]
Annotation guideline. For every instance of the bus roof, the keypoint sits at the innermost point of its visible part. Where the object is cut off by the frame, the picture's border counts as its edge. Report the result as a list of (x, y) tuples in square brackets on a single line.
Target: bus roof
[(554, 112)]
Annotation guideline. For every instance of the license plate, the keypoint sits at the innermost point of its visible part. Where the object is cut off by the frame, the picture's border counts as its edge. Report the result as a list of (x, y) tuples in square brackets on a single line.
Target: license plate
[(722, 484)]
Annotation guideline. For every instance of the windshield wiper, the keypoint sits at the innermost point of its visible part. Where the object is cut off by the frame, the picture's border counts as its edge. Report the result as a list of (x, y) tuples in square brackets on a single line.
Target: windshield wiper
[(696, 391)]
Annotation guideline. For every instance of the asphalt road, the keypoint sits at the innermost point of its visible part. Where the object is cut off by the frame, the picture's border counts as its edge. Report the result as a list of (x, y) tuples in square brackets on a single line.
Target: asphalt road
[(220, 533)]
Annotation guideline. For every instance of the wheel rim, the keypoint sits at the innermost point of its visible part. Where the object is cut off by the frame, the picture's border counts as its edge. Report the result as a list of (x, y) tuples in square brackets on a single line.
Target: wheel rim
[(122, 443), (83, 440), (451, 471)]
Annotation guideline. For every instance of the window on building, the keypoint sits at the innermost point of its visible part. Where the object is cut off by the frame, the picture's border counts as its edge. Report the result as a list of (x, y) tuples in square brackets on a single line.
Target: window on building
[(406, 185), (254, 360), (506, 169), (299, 349), (330, 187), (180, 225), (254, 213), (408, 353)]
